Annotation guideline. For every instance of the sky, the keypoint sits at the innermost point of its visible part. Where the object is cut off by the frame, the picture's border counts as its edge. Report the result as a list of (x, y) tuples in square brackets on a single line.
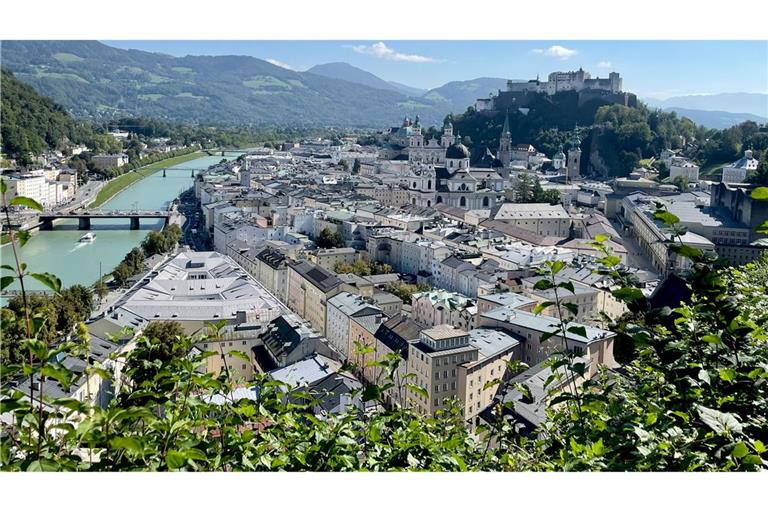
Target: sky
[(651, 69)]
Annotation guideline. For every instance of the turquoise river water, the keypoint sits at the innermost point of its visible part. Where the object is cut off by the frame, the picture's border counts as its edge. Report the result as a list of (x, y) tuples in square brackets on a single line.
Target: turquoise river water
[(60, 253)]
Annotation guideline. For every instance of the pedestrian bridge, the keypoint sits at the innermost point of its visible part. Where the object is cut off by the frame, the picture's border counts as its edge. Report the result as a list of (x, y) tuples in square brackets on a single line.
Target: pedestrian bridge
[(84, 218)]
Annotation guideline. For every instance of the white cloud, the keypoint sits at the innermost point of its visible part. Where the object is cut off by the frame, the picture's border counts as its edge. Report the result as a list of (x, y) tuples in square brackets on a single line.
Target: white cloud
[(279, 63), (382, 51), (605, 64), (561, 52)]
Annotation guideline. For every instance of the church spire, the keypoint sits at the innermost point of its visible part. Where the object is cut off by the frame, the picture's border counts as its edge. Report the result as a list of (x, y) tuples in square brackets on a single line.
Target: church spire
[(505, 130)]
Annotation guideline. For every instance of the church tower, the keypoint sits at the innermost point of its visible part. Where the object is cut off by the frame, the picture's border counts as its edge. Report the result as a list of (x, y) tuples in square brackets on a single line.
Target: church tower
[(447, 138), (505, 144), (573, 168)]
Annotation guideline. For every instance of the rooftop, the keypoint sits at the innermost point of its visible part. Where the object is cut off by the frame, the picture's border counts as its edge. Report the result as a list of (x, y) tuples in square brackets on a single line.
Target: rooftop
[(443, 332)]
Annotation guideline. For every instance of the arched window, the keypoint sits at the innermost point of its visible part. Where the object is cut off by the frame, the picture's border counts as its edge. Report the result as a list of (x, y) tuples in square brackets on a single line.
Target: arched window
[(429, 184), (485, 201), (413, 201), (414, 184), (429, 203), (463, 201), (439, 199)]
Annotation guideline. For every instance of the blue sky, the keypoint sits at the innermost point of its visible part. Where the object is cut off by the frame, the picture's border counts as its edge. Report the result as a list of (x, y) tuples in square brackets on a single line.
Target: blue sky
[(656, 69)]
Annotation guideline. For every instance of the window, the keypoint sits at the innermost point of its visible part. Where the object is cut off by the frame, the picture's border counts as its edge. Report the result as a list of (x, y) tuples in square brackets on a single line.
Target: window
[(445, 374), (463, 201), (437, 375), (243, 366), (437, 388), (453, 386), (436, 402), (453, 372), (445, 386)]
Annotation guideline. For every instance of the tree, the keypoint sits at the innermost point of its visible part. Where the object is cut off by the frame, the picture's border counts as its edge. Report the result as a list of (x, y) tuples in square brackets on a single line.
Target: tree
[(405, 291), (681, 182), (344, 165), (328, 239), (356, 166), (100, 289), (164, 331), (122, 274)]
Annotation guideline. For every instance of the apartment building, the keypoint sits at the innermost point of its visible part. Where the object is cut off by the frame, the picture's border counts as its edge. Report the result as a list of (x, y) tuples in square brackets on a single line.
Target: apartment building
[(453, 364), (596, 346), (342, 307), (309, 288), (543, 219), (439, 307)]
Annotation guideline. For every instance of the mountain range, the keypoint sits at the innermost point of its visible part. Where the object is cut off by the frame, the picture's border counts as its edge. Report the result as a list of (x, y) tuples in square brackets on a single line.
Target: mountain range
[(94, 80), (717, 110)]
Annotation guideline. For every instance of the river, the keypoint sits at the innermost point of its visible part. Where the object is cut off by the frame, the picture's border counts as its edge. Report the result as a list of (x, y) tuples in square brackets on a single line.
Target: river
[(59, 252)]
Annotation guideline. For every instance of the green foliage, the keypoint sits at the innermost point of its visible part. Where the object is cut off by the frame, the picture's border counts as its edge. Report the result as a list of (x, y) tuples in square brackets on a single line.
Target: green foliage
[(32, 123), (328, 239), (362, 268), (111, 83), (529, 190), (405, 291)]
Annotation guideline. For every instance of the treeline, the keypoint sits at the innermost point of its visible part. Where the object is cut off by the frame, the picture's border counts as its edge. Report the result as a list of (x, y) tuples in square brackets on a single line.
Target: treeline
[(85, 163), (614, 138), (56, 314), (33, 124), (156, 242)]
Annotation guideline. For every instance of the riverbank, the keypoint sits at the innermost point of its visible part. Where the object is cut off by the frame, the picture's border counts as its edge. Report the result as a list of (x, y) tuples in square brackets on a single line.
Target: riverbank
[(117, 185)]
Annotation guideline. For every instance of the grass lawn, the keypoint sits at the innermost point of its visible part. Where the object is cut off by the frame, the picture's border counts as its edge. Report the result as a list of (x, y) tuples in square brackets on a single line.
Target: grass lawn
[(115, 185)]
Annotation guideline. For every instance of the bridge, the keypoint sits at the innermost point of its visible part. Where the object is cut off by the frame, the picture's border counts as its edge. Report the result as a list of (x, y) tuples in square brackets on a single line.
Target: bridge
[(84, 218)]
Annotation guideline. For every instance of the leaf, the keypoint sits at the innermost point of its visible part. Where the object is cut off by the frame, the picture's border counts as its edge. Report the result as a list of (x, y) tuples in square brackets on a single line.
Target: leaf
[(417, 389), (578, 330), (175, 459), (43, 465), (686, 251), (720, 422), (59, 374), (666, 217), (740, 450), (26, 201), (240, 355), (704, 376), (22, 237), (543, 284), (541, 307), (601, 238), (6, 281), (8, 267), (628, 294), (371, 392), (760, 193), (597, 448), (762, 228), (567, 285), (129, 444), (572, 308), (728, 374), (3, 187), (557, 266), (48, 280)]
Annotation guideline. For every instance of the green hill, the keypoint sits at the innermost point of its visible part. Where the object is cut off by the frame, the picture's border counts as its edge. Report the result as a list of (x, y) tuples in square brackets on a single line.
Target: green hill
[(32, 124), (94, 80)]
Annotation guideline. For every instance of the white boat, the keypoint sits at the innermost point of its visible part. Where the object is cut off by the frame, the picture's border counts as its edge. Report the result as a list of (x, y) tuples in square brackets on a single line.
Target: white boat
[(88, 237)]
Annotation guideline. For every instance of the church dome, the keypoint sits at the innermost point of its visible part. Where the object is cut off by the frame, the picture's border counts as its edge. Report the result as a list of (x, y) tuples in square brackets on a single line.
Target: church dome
[(457, 151)]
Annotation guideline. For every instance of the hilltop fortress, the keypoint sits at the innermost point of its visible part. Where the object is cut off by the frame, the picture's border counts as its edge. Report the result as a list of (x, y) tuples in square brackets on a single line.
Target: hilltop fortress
[(520, 94)]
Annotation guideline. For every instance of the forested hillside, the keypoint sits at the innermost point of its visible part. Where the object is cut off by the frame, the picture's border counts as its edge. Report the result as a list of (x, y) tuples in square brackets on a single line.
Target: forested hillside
[(32, 123), (97, 81), (614, 138)]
